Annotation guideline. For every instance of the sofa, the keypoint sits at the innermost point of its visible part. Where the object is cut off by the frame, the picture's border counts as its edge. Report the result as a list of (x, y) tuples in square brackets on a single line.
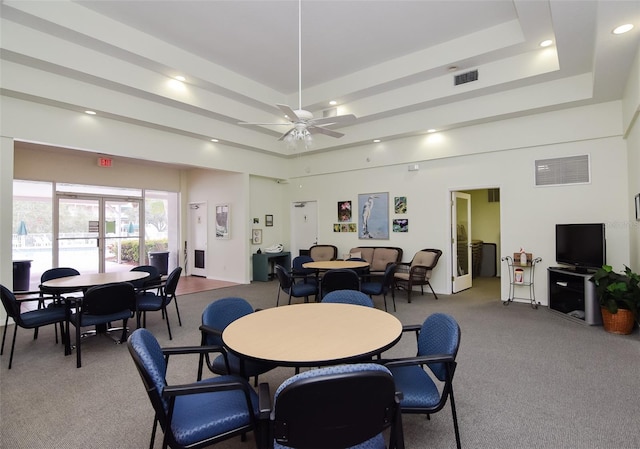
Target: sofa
[(377, 256)]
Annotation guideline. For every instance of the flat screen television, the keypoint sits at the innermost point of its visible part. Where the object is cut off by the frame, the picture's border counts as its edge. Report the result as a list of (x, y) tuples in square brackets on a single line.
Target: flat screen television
[(581, 245)]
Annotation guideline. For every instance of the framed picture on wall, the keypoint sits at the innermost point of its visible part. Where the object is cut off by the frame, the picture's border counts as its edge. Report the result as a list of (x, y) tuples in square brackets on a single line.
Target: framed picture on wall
[(638, 207), (268, 220), (222, 221), (373, 215)]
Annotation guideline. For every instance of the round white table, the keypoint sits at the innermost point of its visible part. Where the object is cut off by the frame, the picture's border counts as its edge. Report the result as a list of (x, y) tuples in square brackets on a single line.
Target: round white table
[(312, 334)]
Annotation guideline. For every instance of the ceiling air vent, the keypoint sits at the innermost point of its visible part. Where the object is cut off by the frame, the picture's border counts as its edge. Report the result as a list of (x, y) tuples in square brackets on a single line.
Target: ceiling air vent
[(465, 78), (563, 170)]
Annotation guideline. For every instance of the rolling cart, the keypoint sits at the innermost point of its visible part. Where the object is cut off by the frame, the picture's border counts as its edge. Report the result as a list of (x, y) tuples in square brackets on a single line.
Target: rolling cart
[(522, 275)]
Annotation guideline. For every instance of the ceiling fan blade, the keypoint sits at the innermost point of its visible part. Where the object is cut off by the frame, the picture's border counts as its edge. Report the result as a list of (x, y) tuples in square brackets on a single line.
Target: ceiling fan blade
[(333, 120), (320, 130), (289, 112), (282, 137), (270, 124)]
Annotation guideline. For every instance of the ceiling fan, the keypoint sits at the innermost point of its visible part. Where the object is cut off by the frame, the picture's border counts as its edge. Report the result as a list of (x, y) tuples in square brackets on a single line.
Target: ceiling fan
[(302, 122)]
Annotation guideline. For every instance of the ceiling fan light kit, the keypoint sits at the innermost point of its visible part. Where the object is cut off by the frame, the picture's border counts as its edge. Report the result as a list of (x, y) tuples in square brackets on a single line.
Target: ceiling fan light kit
[(304, 125)]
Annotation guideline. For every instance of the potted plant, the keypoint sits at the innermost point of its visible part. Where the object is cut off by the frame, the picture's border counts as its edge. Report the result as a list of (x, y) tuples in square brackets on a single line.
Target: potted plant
[(619, 298)]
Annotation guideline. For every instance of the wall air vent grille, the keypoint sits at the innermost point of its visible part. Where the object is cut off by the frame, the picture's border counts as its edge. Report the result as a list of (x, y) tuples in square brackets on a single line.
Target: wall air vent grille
[(465, 78), (563, 170)]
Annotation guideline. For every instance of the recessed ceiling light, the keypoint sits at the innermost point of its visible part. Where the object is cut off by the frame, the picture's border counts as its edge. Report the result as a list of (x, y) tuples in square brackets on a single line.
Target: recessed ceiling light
[(214, 140), (333, 102), (622, 28), (546, 43), (431, 130), (376, 140), (90, 112), (180, 78)]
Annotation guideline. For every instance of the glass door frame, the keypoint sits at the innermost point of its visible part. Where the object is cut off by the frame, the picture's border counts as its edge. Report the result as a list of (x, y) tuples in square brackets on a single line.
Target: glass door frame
[(102, 234)]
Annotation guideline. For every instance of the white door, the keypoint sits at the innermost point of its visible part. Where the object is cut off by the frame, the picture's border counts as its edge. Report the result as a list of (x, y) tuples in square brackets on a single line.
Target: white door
[(461, 241), (196, 250), (304, 226)]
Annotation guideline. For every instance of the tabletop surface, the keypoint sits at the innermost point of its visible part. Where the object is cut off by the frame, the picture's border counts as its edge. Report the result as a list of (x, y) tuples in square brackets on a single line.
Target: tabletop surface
[(335, 264), (312, 334), (91, 279)]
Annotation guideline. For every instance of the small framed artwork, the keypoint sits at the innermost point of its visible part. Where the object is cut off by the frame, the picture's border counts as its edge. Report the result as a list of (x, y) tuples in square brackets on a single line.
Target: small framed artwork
[(400, 225), (222, 221), (638, 207), (400, 204), (344, 211), (256, 237), (268, 220)]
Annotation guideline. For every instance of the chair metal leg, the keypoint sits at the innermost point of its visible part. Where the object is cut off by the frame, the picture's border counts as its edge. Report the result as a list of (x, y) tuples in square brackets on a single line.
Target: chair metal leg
[(455, 419), (78, 345), (4, 334), (434, 293), (175, 300), (13, 344), (153, 433), (168, 325)]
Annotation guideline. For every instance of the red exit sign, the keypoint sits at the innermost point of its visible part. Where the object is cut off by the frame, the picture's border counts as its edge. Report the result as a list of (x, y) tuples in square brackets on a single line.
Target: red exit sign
[(104, 162)]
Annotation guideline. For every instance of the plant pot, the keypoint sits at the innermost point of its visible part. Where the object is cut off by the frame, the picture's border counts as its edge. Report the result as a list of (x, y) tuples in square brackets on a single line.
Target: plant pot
[(618, 323)]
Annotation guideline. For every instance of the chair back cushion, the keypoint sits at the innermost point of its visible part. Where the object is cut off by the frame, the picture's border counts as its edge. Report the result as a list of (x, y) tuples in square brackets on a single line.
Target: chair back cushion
[(348, 297), (365, 253), (297, 267), (424, 258), (440, 334), (323, 252), (149, 360), (11, 305), (222, 312), (339, 279), (334, 407), (283, 277), (172, 282), (383, 257), (108, 299), (56, 273), (154, 275)]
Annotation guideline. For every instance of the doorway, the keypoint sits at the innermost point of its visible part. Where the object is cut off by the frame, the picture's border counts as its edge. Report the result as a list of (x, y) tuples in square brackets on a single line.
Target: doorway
[(304, 226), (97, 233), (197, 240), (479, 253)]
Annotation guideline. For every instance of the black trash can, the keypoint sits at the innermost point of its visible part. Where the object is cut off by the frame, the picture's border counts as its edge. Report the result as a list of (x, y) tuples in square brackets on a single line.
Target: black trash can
[(21, 275), (160, 260)]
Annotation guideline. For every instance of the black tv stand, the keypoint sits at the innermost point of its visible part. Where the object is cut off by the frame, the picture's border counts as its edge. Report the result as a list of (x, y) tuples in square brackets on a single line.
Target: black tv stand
[(573, 295)]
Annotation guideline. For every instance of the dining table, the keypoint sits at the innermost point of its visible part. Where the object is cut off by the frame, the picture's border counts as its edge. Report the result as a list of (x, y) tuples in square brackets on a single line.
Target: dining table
[(312, 334), (324, 265), (82, 282)]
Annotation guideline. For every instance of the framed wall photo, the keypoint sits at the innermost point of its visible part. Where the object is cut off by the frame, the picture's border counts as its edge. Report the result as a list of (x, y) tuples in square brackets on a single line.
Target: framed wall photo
[(222, 221), (373, 216), (400, 204), (638, 207), (256, 237), (268, 220), (344, 211)]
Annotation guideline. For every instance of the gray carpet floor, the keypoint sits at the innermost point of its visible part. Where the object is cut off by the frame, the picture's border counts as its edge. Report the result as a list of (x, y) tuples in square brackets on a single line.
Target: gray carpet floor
[(526, 379)]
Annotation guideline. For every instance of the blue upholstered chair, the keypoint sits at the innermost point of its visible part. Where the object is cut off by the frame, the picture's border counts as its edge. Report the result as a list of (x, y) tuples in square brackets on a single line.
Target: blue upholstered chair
[(215, 318), (438, 340), (191, 415), (152, 281), (54, 294), (32, 319), (339, 279), (301, 273), (382, 286), (152, 302), (292, 288), (100, 306), (348, 297), (335, 407)]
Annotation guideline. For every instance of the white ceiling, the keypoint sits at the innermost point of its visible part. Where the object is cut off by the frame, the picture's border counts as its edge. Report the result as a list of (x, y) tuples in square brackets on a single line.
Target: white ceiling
[(388, 62)]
